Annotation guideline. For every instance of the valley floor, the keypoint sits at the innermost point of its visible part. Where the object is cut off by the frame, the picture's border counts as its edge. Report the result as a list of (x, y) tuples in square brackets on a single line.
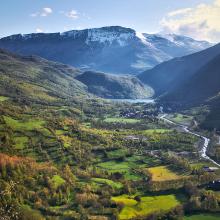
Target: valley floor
[(102, 160)]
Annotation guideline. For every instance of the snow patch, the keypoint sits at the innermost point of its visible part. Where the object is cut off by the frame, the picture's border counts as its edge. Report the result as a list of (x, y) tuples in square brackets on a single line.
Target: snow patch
[(143, 38), (108, 37)]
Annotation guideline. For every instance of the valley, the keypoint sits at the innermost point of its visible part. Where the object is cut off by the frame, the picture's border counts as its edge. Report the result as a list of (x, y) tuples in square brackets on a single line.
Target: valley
[(88, 161), (115, 125)]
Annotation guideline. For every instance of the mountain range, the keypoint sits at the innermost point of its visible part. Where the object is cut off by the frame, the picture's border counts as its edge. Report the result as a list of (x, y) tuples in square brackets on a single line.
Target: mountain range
[(187, 81), (111, 49)]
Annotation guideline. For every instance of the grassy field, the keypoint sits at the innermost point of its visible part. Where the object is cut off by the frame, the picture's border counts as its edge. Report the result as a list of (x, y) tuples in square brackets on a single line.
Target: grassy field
[(23, 125), (180, 118), (121, 120), (115, 185), (20, 142), (128, 165), (146, 206), (203, 217), (57, 181), (121, 167), (27, 125), (3, 98), (163, 173), (153, 131)]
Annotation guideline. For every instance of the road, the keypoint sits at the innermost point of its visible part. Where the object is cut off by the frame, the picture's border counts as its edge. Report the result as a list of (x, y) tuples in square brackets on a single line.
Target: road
[(205, 139)]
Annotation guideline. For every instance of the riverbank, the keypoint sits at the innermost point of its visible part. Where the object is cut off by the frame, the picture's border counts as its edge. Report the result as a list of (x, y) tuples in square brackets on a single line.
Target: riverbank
[(205, 139)]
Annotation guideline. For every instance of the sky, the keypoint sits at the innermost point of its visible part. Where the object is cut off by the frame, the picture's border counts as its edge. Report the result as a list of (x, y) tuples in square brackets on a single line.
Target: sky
[(199, 19)]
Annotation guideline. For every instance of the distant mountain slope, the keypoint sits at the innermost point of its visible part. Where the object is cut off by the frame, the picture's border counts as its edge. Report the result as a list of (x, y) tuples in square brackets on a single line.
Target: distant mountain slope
[(34, 78), (109, 49), (202, 87), (38, 79), (112, 86), (172, 74)]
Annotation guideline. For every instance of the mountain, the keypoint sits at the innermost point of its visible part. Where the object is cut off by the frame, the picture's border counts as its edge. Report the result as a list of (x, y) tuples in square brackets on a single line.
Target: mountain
[(112, 49), (188, 82), (112, 86), (34, 78), (203, 88), (170, 75)]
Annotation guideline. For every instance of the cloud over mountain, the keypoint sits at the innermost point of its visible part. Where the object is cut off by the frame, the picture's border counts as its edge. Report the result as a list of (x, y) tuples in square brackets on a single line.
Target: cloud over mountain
[(200, 22)]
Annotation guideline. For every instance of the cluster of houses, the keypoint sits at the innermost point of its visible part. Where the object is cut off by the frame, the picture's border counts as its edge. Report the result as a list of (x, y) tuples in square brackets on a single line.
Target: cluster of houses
[(138, 114)]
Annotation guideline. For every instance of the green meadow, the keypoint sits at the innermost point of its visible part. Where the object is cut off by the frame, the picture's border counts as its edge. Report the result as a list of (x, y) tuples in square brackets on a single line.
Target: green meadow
[(57, 181), (147, 205), (128, 165), (23, 125), (3, 98), (113, 184), (180, 118), (121, 120)]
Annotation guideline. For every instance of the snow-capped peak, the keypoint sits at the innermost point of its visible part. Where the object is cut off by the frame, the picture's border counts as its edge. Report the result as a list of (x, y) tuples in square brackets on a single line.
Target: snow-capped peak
[(109, 36)]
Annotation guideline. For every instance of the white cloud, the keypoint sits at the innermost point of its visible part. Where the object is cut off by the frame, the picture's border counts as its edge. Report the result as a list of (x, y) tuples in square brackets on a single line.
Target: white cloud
[(43, 13), (39, 30), (73, 14), (201, 22), (179, 12)]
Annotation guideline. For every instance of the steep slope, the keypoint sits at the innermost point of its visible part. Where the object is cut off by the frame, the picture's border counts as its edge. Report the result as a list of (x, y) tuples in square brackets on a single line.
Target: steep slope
[(202, 87), (34, 78), (45, 81), (109, 49), (112, 86), (171, 74)]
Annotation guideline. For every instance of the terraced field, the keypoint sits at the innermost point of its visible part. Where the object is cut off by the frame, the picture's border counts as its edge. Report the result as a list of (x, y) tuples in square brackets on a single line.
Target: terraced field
[(147, 205), (121, 120), (129, 166), (113, 184), (163, 173)]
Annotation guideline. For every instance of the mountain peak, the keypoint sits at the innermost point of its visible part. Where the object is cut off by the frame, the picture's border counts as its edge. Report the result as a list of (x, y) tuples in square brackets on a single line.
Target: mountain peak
[(107, 34), (101, 49)]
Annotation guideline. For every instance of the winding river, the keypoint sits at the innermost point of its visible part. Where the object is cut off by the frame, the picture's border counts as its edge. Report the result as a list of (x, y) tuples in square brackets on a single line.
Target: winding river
[(205, 139)]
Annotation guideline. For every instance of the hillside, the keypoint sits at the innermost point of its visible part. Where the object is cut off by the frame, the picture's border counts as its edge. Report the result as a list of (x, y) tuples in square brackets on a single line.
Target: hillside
[(171, 74), (202, 88), (36, 79), (112, 86), (101, 49)]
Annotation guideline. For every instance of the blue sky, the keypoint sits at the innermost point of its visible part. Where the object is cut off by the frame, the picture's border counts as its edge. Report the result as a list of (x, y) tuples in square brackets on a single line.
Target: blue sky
[(27, 16)]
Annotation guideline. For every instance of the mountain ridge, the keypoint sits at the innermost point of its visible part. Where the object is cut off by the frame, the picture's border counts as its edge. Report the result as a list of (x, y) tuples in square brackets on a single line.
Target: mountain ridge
[(101, 49)]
